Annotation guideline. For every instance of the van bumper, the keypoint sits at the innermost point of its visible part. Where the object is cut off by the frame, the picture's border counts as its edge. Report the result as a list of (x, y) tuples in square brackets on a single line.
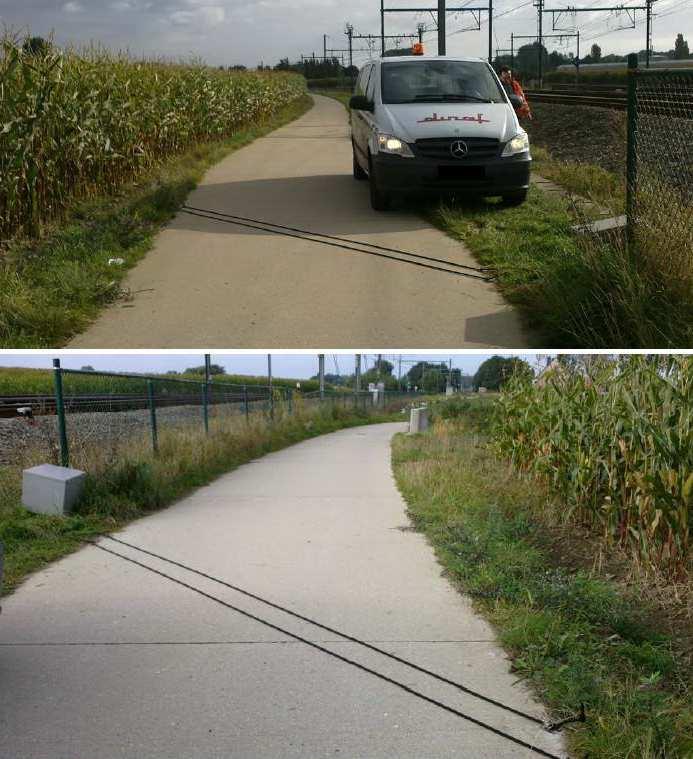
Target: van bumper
[(496, 176)]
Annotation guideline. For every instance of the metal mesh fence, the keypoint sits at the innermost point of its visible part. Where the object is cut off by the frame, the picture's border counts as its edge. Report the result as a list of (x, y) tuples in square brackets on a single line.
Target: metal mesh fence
[(95, 419), (660, 163)]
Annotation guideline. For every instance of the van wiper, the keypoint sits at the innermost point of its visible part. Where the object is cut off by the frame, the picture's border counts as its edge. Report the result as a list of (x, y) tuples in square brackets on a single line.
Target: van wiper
[(452, 97)]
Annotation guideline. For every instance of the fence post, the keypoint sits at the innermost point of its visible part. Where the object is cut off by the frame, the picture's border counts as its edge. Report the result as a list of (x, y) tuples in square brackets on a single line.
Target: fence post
[(290, 400), (60, 411), (245, 403), (152, 416), (632, 149), (205, 406)]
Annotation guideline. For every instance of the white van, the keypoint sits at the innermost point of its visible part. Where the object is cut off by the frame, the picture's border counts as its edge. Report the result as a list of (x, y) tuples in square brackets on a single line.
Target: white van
[(437, 124)]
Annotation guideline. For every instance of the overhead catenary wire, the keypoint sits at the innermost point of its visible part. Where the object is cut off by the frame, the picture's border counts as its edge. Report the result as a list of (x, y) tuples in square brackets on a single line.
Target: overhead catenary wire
[(317, 646), (355, 246), (295, 614)]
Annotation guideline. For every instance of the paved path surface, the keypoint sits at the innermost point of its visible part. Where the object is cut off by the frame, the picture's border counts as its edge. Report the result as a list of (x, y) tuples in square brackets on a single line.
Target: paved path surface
[(214, 285), (100, 658)]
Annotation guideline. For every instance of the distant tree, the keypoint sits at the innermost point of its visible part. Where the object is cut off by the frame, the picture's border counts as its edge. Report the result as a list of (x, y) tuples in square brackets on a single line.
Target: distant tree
[(681, 51), (213, 369), (88, 368), (595, 52), (497, 370), (36, 46), (333, 379), (527, 60), (237, 67)]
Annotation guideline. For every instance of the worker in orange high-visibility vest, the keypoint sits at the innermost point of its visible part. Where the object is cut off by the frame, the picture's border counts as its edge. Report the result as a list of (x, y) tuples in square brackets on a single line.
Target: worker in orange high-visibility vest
[(417, 49), (512, 86)]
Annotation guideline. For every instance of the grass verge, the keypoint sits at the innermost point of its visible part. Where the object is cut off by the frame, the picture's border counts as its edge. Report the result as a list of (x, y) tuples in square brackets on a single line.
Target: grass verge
[(578, 291), (342, 95), (577, 635), (51, 289), (583, 179), (140, 483)]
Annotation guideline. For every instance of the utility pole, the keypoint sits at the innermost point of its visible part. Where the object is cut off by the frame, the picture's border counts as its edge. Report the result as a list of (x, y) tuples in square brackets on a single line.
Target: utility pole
[(441, 10), (399, 372), (378, 367), (269, 384), (350, 36), (321, 374), (357, 373), (540, 7), (420, 29), (648, 32), (324, 47), (441, 27), (490, 32)]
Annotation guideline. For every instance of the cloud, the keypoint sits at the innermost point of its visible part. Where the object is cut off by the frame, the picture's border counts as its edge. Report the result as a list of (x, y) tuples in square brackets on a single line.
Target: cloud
[(72, 7), (204, 15)]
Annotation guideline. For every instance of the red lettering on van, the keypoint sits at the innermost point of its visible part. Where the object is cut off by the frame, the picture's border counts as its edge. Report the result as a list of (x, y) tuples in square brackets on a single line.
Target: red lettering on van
[(479, 118)]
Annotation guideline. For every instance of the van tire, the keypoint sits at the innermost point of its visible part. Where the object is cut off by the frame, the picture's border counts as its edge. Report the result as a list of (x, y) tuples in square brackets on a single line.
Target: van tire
[(359, 173), (380, 201), (516, 198)]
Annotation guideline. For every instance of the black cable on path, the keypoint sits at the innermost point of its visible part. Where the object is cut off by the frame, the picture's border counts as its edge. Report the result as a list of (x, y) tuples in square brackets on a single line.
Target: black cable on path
[(206, 215), (332, 630), (356, 664), (339, 239)]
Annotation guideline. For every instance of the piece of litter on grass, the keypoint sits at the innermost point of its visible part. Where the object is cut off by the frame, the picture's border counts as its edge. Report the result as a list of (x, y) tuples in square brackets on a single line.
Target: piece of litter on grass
[(116, 261)]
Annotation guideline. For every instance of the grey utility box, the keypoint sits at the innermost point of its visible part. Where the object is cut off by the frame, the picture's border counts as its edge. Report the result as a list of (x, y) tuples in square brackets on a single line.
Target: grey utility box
[(48, 489), (418, 420)]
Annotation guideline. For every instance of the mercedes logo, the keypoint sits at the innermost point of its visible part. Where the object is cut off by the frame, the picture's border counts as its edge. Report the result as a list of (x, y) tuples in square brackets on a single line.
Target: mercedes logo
[(459, 149)]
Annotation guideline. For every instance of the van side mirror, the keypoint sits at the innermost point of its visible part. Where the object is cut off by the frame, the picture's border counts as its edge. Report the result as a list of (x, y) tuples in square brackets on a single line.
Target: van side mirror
[(515, 100), (361, 103)]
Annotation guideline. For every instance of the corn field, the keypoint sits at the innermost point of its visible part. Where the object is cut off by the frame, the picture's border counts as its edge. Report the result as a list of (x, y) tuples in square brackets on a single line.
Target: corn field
[(74, 125), (613, 440)]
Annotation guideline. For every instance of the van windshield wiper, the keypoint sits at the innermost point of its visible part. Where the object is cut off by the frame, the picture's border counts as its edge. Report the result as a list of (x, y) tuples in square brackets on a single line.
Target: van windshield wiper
[(453, 97)]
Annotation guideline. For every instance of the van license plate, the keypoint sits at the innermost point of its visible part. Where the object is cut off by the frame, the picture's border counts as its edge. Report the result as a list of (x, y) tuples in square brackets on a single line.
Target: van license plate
[(462, 172)]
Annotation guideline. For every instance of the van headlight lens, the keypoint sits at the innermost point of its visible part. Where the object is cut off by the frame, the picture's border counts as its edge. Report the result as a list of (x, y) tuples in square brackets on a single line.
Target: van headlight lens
[(388, 143), (518, 144)]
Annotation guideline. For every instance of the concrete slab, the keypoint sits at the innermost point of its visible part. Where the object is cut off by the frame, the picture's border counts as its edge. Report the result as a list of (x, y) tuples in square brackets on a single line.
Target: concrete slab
[(101, 658), (211, 284)]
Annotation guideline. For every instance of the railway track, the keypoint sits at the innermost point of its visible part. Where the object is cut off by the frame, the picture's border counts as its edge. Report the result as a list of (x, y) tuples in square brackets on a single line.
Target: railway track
[(616, 99), (44, 405)]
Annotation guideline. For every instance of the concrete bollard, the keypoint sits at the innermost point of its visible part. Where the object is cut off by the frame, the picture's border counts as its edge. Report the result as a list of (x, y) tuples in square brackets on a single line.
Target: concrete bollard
[(48, 489), (418, 420)]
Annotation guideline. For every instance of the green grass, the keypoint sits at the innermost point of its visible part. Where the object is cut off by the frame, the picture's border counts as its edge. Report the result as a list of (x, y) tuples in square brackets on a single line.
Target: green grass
[(576, 636), (52, 289), (577, 291), (141, 483), (26, 381), (583, 179)]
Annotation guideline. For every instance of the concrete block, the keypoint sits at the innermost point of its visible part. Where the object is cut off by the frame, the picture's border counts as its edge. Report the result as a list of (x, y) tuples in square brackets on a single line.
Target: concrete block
[(418, 420), (48, 489)]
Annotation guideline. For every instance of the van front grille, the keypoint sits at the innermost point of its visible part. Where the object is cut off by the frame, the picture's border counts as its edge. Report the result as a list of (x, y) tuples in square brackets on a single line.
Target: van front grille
[(439, 148)]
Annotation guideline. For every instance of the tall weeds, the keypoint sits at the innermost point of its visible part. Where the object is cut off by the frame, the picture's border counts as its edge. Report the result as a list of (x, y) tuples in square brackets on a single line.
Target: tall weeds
[(613, 440)]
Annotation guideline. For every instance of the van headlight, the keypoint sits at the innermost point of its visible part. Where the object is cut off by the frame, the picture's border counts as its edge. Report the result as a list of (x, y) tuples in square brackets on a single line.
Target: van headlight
[(388, 143), (518, 144)]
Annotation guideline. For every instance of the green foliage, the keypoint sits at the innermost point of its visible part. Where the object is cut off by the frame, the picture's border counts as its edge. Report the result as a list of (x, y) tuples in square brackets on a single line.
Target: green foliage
[(613, 439), (52, 288), (497, 370), (574, 636), (79, 125), (16, 381)]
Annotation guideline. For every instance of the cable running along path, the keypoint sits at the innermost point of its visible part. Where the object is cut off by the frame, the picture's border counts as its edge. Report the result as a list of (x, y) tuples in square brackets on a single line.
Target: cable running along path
[(280, 611), (278, 247)]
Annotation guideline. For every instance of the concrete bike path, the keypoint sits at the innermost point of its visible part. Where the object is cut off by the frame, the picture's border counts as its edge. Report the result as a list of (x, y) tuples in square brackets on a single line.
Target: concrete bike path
[(100, 658), (215, 285)]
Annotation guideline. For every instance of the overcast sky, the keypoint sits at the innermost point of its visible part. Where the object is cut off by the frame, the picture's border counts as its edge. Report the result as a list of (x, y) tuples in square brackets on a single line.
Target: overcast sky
[(283, 365), (250, 31)]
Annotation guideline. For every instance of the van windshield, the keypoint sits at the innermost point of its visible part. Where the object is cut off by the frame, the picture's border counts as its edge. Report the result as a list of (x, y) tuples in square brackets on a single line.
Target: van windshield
[(437, 81)]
